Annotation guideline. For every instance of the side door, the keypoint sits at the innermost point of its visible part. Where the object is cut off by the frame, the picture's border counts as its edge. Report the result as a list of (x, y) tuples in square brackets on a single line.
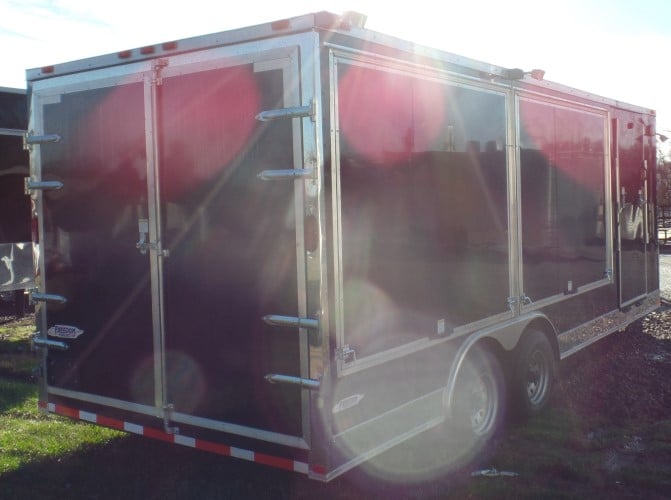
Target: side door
[(631, 166), (565, 241)]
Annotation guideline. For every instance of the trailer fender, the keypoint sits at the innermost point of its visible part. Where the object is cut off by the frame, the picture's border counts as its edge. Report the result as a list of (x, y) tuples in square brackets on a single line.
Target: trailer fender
[(506, 336)]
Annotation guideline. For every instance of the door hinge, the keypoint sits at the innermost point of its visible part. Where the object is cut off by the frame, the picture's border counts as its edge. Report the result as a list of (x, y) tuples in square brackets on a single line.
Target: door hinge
[(346, 354), (293, 112), (30, 185), (29, 139), (305, 383), (287, 174), (514, 302), (291, 321), (38, 341), (50, 298)]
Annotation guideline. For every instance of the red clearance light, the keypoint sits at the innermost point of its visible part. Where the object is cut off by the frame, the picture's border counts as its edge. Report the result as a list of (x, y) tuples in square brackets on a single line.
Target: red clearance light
[(169, 46), (284, 24), (318, 469), (124, 54), (147, 50), (46, 70)]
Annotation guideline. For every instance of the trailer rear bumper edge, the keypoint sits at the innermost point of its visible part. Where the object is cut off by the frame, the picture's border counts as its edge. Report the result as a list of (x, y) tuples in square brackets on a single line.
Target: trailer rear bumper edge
[(180, 439)]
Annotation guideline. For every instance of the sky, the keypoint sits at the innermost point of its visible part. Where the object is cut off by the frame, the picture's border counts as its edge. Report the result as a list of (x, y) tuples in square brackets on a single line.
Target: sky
[(617, 48)]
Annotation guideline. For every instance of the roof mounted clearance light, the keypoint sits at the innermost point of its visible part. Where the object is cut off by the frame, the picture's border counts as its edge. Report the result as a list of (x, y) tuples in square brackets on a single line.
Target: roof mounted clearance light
[(518, 74), (282, 24), (355, 19)]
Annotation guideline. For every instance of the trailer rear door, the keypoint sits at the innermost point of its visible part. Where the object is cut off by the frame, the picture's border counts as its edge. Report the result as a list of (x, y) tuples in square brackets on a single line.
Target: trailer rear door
[(234, 248), (165, 247), (96, 282)]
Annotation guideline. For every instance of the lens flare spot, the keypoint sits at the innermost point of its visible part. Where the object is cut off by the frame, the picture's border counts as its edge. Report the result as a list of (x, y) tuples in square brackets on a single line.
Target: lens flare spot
[(385, 116)]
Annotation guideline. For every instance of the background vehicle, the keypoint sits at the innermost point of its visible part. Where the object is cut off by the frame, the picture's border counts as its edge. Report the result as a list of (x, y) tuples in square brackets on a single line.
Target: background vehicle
[(17, 271), (303, 242)]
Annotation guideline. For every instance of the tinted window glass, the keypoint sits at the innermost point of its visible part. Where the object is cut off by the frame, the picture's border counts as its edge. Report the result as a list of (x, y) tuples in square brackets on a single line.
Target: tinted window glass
[(423, 206)]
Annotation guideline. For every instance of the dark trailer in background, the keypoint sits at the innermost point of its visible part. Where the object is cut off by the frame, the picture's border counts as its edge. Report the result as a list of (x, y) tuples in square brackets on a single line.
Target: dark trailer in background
[(303, 242), (17, 271)]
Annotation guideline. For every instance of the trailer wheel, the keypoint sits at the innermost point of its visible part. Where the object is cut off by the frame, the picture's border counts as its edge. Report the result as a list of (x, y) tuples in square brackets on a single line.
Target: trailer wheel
[(533, 374), (478, 406)]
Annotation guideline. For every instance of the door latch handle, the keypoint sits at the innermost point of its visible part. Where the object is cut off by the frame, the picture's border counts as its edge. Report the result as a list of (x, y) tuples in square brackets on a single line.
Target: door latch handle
[(143, 243)]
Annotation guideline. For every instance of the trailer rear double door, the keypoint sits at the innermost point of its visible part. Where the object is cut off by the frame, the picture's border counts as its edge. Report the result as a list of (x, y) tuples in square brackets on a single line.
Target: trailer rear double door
[(167, 247)]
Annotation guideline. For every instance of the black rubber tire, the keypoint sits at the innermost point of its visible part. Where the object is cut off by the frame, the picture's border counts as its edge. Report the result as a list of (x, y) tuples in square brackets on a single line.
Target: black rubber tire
[(534, 375), (478, 408)]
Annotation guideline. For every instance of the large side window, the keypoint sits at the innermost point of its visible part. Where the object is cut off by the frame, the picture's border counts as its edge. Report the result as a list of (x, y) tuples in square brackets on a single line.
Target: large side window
[(562, 198), (423, 210)]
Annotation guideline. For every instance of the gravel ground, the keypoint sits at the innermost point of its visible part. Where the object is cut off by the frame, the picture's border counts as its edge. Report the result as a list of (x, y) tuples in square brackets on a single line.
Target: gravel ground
[(625, 376), (628, 374)]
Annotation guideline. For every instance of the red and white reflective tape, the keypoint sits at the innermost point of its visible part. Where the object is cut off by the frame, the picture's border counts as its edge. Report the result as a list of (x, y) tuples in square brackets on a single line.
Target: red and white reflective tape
[(191, 442)]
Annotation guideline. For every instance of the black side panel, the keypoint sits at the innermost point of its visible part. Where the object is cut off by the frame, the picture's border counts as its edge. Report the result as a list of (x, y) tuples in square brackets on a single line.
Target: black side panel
[(90, 231)]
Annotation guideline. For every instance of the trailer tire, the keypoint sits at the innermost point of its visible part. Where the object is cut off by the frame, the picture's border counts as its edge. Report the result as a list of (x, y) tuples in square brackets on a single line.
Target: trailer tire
[(534, 373), (478, 412)]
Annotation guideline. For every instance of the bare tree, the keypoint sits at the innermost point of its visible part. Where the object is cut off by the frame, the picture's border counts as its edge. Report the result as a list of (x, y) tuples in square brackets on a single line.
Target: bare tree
[(664, 174)]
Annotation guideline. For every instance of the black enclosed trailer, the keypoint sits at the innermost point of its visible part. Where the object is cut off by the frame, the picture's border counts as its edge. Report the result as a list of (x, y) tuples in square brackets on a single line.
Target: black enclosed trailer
[(17, 269), (303, 242)]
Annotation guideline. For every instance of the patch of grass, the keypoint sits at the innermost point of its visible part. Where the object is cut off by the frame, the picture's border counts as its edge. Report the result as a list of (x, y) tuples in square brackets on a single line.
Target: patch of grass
[(27, 435), (18, 366), (17, 360), (15, 335)]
